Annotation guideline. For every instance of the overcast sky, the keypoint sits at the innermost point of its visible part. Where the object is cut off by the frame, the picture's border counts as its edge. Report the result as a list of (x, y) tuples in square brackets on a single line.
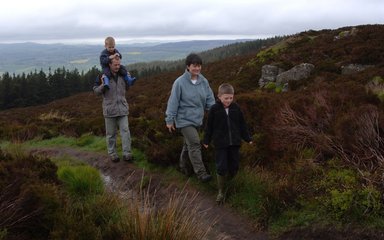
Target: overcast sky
[(142, 20)]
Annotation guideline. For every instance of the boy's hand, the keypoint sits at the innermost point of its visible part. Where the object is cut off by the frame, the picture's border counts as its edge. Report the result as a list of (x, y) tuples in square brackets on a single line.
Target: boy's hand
[(113, 56), (205, 145)]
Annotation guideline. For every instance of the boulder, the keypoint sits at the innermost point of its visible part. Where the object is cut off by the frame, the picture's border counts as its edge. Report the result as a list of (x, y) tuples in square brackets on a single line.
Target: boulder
[(298, 72)]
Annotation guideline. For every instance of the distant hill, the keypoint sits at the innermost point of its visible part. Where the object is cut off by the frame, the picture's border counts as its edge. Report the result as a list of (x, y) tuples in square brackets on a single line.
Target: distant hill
[(26, 57)]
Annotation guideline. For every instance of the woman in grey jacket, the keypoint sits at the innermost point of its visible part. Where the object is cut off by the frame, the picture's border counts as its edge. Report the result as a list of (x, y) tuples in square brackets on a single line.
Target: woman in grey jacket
[(191, 95), (115, 111)]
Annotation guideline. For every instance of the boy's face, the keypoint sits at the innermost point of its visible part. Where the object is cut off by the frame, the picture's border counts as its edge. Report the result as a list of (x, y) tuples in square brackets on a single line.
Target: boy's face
[(110, 47), (226, 99)]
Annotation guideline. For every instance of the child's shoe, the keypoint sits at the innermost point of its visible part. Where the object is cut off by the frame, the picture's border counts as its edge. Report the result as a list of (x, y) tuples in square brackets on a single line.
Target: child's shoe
[(220, 198), (220, 186), (106, 82), (130, 80)]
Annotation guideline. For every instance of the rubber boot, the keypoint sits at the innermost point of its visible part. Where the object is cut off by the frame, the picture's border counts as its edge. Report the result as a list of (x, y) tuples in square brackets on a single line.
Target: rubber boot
[(220, 186), (106, 82)]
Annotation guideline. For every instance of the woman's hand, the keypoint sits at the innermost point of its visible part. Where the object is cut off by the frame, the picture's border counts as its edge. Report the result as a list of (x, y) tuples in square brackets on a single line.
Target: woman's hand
[(171, 127)]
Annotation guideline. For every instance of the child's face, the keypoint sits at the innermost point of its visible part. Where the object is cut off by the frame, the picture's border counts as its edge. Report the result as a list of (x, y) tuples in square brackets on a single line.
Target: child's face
[(226, 99), (110, 47)]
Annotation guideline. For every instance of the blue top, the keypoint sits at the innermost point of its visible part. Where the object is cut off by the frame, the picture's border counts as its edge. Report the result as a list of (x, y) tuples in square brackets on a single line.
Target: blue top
[(104, 57), (188, 101)]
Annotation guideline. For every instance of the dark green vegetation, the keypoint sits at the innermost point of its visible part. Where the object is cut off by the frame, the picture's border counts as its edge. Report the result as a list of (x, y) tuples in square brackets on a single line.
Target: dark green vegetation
[(39, 88), (316, 167)]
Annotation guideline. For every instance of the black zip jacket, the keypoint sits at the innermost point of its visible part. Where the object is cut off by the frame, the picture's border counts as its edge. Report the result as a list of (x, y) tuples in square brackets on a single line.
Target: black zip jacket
[(226, 129)]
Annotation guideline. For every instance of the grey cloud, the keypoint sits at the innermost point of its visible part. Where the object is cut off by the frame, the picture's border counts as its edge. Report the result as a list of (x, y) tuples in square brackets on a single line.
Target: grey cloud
[(166, 18)]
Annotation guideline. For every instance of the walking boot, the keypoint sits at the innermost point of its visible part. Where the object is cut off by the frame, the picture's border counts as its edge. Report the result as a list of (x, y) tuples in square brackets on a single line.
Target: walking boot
[(205, 178), (220, 185)]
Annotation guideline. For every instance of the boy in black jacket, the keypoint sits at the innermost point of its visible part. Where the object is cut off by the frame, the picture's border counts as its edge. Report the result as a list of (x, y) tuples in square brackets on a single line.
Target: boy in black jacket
[(226, 127)]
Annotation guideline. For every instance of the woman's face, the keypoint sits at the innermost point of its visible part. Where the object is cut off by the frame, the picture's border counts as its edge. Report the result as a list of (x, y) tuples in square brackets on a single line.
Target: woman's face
[(194, 69)]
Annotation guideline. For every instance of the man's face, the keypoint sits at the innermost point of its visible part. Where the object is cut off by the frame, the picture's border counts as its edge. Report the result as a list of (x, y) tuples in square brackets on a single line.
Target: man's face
[(114, 65)]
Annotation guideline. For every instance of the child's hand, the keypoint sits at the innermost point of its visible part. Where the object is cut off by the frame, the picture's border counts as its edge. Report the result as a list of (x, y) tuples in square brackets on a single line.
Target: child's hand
[(205, 145), (250, 142)]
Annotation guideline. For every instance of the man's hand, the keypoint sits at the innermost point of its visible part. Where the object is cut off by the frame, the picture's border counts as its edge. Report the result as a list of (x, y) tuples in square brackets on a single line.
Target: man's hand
[(171, 127)]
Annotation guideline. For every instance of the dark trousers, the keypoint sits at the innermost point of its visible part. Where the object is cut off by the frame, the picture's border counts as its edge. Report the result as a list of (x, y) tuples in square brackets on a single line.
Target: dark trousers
[(227, 160)]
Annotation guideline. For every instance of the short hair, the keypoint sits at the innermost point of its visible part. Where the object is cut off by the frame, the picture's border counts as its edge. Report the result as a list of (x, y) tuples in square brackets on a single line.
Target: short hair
[(109, 40), (193, 58), (225, 88), (114, 59)]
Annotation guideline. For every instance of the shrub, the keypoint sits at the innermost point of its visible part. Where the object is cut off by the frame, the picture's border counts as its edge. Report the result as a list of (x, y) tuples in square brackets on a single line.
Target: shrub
[(356, 203), (376, 86), (346, 197), (55, 115), (81, 181), (29, 196)]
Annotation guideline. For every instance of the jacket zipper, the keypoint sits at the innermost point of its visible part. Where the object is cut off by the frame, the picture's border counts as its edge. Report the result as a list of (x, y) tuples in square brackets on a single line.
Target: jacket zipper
[(229, 129)]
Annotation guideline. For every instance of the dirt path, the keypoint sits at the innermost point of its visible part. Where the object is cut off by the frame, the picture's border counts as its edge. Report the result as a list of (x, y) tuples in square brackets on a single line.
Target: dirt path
[(226, 223)]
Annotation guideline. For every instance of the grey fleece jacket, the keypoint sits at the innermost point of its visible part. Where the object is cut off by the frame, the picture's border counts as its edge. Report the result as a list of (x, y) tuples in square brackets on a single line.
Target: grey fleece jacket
[(188, 101), (114, 102)]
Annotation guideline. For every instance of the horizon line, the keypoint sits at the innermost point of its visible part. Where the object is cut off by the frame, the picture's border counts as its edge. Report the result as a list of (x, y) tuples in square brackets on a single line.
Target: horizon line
[(137, 40)]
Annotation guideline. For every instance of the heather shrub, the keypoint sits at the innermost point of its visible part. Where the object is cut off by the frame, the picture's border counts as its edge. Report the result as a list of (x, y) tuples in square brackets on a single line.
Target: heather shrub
[(328, 65), (255, 154), (21, 133), (147, 131), (166, 152), (29, 196), (362, 140), (367, 55)]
